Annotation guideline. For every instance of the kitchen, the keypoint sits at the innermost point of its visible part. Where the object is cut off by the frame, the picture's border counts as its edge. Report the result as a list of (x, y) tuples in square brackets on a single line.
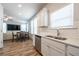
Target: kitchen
[(56, 38), (53, 29)]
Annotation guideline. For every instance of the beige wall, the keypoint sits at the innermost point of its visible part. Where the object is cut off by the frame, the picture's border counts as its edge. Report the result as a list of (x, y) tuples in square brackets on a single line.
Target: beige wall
[(68, 33)]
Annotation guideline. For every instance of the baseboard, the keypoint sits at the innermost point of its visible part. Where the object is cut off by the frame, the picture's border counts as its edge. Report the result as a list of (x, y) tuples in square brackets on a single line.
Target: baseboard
[(8, 40)]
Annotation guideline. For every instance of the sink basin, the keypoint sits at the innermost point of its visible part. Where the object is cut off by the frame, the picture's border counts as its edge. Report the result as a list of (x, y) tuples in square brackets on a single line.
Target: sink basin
[(50, 36), (59, 38)]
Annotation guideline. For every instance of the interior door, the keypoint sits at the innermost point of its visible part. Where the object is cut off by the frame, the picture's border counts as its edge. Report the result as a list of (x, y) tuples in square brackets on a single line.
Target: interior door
[(1, 26), (1, 34)]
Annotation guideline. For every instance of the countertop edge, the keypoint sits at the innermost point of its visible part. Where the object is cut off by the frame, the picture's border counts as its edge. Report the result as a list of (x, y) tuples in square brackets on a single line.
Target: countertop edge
[(60, 41)]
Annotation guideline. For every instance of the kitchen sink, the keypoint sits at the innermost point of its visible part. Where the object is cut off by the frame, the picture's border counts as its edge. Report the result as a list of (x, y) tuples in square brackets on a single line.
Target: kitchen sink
[(55, 37)]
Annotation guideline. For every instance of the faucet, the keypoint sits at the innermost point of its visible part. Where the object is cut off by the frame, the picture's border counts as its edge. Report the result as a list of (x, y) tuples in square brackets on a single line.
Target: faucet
[(58, 33)]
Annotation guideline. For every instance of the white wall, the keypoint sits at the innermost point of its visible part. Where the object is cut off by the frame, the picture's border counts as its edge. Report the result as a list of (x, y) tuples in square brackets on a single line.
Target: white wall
[(8, 34)]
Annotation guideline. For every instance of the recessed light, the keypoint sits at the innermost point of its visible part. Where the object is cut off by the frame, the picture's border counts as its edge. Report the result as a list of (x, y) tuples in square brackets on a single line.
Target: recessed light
[(20, 13), (19, 5)]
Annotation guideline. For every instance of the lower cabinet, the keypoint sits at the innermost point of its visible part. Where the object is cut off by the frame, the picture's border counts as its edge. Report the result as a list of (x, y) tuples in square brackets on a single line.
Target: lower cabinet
[(33, 40), (72, 51), (44, 50), (53, 48), (54, 52), (49, 49)]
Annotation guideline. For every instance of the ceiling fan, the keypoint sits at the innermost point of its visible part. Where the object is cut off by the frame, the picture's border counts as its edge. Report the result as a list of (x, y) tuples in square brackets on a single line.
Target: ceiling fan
[(6, 18)]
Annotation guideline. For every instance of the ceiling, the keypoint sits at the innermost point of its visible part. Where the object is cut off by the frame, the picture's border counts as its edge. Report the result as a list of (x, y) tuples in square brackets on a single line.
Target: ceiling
[(23, 12), (52, 7)]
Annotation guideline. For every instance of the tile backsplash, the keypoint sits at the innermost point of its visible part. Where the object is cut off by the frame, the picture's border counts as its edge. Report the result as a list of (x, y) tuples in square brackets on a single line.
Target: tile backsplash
[(67, 33)]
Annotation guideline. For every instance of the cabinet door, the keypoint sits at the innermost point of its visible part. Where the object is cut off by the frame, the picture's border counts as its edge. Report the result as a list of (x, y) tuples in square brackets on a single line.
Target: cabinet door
[(1, 26), (72, 51), (44, 49), (33, 40), (55, 44), (54, 52), (44, 17)]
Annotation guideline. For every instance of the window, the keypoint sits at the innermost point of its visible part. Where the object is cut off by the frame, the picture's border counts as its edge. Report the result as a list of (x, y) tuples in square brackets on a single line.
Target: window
[(4, 27), (62, 18), (23, 27), (27, 28), (32, 27), (35, 25)]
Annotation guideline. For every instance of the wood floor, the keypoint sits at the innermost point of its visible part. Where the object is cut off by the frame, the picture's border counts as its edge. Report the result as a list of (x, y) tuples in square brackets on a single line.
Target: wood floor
[(18, 49)]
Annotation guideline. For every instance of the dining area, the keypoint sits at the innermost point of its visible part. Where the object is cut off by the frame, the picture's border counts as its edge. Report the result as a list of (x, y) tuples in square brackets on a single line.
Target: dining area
[(20, 36)]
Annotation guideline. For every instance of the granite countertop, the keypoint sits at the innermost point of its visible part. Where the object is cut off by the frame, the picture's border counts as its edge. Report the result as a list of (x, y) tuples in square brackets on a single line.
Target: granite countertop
[(71, 42)]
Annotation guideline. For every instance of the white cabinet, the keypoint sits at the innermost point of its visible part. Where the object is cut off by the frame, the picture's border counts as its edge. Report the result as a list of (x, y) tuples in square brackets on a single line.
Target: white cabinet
[(43, 17), (44, 48), (49, 47), (72, 51), (1, 26), (33, 40), (52, 48), (54, 52)]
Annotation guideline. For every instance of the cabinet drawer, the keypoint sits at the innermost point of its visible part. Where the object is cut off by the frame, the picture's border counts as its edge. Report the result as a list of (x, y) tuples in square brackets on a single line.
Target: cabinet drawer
[(73, 51)]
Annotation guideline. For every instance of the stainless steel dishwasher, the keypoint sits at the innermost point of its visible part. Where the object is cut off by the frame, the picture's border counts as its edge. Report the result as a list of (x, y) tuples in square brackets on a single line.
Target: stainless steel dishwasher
[(38, 43)]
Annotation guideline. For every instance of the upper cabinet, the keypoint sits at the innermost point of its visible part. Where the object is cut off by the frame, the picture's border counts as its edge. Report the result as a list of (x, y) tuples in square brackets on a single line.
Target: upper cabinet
[(43, 18)]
